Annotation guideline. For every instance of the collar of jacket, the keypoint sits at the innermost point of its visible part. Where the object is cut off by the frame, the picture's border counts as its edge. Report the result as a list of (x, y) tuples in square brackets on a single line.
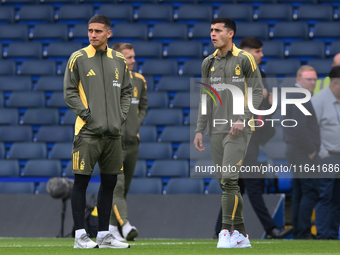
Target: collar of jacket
[(91, 51)]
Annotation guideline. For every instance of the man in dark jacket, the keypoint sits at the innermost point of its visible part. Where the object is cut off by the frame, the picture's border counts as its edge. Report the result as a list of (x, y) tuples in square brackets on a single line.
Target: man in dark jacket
[(303, 145)]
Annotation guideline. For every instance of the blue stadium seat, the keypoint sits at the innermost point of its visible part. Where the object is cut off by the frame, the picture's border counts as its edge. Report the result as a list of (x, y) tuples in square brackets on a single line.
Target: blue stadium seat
[(146, 186), (309, 49), (282, 67), (93, 188), (54, 134), (192, 118), (237, 12), (333, 50), (298, 2), (272, 13), (61, 70), (23, 50), (158, 100), (276, 150), (147, 49), (185, 186), (19, 2), (290, 31), (2, 150), (16, 133), (42, 168), (61, 150), (117, 13), (7, 67), (140, 169), (169, 31), (73, 14), (38, 67), (185, 49), (164, 117), (57, 100), (15, 83), (27, 150), (32, 14), (192, 67), (152, 14), (202, 168), (188, 151), (57, 3), (50, 32), (149, 82), (191, 13), (49, 83), (169, 168), (258, 29), (315, 13), (9, 117), (148, 134), (175, 134), (9, 168), (24, 99), (214, 187), (69, 118), (13, 32), (173, 83), (7, 14), (139, 2), (273, 49), (328, 31), (62, 49), (79, 33), (201, 31), (181, 100), (42, 188), (17, 187), (40, 116), (155, 150), (1, 99), (128, 31), (160, 67), (322, 66), (68, 169)]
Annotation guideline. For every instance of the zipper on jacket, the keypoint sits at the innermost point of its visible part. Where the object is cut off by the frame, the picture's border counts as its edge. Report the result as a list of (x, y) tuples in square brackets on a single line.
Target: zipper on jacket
[(103, 73)]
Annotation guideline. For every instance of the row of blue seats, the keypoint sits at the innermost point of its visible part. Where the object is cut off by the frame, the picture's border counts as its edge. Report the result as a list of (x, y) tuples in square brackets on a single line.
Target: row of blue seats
[(181, 50), (138, 186), (165, 67), (152, 13), (285, 31), (62, 150)]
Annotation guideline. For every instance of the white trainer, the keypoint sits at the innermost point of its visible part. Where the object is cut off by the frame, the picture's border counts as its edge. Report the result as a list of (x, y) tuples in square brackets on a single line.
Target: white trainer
[(129, 232), (223, 239), (238, 240), (84, 242), (109, 241), (115, 232)]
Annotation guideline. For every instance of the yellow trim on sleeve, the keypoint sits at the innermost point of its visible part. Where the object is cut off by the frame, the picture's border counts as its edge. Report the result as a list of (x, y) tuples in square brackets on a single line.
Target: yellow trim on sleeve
[(120, 220), (251, 59), (79, 122)]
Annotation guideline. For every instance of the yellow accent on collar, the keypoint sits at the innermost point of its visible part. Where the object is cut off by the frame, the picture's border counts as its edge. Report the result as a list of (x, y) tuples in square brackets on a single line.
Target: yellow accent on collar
[(91, 51)]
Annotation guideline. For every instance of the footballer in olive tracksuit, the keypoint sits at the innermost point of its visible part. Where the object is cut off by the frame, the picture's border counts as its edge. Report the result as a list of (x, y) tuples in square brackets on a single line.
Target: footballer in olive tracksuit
[(97, 87), (130, 144), (236, 68)]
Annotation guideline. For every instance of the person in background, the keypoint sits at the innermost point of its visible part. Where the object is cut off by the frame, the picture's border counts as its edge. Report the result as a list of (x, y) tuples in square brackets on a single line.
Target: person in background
[(326, 104), (130, 146), (303, 146), (97, 87)]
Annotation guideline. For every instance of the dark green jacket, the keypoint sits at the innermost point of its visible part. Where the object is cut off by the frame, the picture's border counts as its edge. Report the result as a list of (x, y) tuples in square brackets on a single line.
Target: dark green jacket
[(138, 108), (98, 89), (237, 68)]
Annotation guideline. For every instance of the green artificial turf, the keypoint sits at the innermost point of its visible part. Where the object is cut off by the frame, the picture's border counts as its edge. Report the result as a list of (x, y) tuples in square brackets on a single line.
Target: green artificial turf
[(64, 246)]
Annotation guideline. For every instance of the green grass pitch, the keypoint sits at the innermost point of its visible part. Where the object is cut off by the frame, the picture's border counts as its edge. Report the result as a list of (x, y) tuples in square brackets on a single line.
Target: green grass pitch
[(64, 246)]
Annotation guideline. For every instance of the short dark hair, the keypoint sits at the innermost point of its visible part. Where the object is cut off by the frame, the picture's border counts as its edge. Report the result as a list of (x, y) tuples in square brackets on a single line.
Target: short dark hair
[(250, 42), (334, 73), (122, 46), (228, 23), (100, 19)]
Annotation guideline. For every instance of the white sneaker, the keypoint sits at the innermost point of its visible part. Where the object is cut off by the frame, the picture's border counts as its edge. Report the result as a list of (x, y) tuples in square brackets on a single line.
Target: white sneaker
[(84, 242), (129, 232), (223, 239), (116, 234), (237, 240), (109, 241)]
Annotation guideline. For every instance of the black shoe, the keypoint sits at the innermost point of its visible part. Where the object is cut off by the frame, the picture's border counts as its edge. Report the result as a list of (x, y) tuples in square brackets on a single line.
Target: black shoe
[(279, 233)]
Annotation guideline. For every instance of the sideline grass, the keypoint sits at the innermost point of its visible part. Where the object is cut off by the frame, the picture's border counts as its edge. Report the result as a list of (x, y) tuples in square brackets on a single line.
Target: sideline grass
[(64, 246)]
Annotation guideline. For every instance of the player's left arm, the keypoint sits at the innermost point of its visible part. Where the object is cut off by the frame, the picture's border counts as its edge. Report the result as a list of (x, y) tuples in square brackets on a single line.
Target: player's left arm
[(143, 104), (126, 93)]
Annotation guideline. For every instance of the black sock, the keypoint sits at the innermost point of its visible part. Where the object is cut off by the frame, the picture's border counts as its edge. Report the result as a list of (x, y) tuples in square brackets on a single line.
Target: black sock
[(78, 199), (226, 226), (240, 228), (104, 201)]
